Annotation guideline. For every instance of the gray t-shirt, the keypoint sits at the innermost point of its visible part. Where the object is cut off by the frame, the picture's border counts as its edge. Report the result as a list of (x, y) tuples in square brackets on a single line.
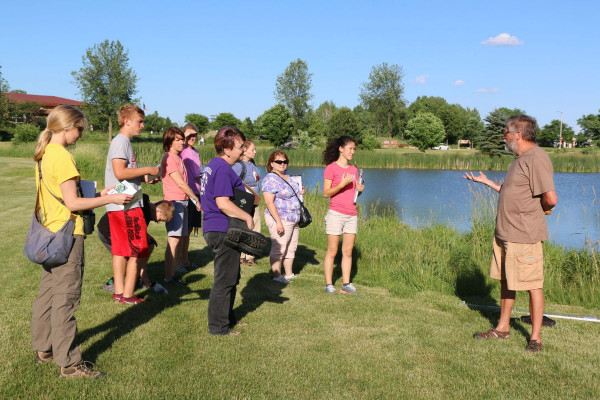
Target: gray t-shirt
[(251, 178), (120, 147)]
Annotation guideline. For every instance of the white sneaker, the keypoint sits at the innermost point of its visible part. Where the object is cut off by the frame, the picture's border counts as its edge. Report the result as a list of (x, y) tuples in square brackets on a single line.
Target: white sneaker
[(281, 279), (290, 277)]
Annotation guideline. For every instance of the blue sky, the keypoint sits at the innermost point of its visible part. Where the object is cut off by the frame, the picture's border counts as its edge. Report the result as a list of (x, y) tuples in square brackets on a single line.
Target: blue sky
[(212, 57)]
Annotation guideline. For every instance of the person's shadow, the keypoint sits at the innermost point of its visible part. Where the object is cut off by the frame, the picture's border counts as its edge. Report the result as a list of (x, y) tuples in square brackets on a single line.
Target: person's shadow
[(304, 256), (472, 287), (258, 290), (202, 257), (134, 316)]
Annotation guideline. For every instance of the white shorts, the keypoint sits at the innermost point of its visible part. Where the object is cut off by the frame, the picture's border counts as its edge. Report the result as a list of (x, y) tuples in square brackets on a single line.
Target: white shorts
[(337, 223)]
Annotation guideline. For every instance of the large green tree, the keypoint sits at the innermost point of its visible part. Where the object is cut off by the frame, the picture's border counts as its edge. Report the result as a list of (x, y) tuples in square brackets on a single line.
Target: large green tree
[(156, 124), (4, 88), (551, 133), (453, 116), (247, 128), (225, 119), (275, 124), (382, 95), (492, 142), (343, 122), (590, 126), (202, 123), (105, 82), (292, 88), (424, 131)]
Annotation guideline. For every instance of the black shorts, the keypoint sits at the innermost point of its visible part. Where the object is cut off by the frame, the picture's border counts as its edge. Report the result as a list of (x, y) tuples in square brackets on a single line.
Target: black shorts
[(194, 216)]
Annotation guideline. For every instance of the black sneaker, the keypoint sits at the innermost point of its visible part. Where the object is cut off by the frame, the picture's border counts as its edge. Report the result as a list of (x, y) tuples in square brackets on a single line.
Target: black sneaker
[(241, 238), (174, 281)]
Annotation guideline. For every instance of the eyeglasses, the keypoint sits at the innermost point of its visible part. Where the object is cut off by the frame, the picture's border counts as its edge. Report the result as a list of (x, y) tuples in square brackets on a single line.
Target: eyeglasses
[(79, 128), (191, 135), (281, 162), (241, 148)]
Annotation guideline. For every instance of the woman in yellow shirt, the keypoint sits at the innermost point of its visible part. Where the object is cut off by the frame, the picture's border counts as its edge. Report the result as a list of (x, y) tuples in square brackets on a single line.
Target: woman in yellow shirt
[(53, 326)]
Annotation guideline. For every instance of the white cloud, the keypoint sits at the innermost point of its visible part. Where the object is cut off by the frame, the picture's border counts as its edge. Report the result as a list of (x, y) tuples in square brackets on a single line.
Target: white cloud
[(422, 78), (503, 39), (459, 82), (484, 90)]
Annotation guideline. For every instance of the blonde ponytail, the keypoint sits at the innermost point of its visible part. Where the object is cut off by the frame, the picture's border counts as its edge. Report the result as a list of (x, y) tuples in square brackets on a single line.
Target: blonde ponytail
[(59, 118), (42, 142)]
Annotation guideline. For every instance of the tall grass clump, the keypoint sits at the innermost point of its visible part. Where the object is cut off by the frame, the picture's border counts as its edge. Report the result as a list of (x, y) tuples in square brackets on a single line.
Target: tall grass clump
[(404, 260)]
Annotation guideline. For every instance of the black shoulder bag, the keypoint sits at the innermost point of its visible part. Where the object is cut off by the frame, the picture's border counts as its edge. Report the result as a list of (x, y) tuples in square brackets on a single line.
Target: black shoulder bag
[(305, 218)]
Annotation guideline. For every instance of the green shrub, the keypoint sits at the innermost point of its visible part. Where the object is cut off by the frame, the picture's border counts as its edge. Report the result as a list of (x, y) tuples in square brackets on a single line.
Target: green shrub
[(369, 142), (25, 133)]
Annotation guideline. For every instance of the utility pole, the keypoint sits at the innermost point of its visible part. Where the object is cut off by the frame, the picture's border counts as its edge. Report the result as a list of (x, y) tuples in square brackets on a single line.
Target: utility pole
[(560, 132)]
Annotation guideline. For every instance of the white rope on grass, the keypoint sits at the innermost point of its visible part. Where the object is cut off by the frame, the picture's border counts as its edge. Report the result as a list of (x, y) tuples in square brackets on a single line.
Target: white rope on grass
[(574, 317)]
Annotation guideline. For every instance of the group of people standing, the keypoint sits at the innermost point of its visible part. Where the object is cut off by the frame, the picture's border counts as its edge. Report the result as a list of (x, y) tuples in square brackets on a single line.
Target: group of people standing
[(526, 194), (192, 199)]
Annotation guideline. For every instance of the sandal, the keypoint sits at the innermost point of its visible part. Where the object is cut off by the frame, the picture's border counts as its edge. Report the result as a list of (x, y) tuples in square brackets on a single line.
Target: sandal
[(492, 334)]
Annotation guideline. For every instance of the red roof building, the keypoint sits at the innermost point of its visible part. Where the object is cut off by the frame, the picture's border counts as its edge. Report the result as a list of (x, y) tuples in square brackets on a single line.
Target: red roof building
[(47, 102)]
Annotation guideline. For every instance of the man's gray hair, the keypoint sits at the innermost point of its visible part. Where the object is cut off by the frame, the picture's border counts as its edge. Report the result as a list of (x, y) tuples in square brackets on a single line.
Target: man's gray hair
[(523, 123)]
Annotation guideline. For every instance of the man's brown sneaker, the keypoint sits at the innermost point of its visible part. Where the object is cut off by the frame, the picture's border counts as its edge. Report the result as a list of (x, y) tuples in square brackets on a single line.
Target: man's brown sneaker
[(42, 357), (534, 346), (84, 369), (492, 334)]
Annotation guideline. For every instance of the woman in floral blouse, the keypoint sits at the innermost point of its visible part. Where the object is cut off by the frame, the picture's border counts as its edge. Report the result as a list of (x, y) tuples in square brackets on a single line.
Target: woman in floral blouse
[(282, 215)]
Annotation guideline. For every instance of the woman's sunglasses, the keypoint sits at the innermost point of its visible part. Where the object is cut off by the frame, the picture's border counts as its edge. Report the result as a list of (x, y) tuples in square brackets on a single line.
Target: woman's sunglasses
[(280, 162)]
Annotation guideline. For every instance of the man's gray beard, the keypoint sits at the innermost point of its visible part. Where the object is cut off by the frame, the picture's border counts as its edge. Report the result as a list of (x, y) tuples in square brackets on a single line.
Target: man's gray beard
[(508, 149)]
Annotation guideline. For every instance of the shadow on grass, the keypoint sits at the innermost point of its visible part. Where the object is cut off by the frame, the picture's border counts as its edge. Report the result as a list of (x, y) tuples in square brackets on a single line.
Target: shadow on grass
[(304, 256), (259, 289), (337, 264), (134, 316), (473, 288), (202, 257)]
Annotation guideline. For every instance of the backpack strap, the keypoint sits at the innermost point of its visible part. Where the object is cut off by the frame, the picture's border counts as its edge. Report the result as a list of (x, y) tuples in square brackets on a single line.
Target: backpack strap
[(243, 174)]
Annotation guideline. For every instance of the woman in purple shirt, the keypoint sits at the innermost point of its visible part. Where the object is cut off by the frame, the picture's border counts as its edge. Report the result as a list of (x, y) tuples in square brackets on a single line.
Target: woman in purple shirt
[(216, 194)]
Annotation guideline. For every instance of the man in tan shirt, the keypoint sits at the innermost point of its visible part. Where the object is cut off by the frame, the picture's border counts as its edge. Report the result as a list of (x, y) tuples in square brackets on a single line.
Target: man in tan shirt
[(525, 196)]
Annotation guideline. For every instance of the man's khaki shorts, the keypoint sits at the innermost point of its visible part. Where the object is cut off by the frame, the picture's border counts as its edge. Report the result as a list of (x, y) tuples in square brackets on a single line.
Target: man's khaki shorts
[(521, 265)]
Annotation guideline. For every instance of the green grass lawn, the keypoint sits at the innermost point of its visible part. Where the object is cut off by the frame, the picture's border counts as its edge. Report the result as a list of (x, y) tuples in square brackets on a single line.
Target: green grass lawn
[(300, 342)]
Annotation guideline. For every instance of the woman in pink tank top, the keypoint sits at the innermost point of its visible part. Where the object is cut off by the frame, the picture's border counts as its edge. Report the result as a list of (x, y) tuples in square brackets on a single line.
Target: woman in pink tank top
[(341, 184)]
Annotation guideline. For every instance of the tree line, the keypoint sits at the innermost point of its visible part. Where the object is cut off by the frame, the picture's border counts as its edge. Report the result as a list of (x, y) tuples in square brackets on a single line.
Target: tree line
[(106, 82)]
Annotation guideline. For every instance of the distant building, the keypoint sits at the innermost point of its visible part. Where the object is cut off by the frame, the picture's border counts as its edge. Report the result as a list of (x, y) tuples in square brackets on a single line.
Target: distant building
[(47, 102)]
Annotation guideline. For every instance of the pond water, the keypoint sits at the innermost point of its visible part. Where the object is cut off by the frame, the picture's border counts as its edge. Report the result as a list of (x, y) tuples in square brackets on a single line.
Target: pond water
[(425, 197)]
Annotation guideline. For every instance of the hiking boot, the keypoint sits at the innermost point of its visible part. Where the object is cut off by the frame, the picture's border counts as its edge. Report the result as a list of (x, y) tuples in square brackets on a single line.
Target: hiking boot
[(534, 346), (244, 240), (109, 286), (281, 279), (131, 300), (84, 369), (348, 288), (330, 289), (43, 357)]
